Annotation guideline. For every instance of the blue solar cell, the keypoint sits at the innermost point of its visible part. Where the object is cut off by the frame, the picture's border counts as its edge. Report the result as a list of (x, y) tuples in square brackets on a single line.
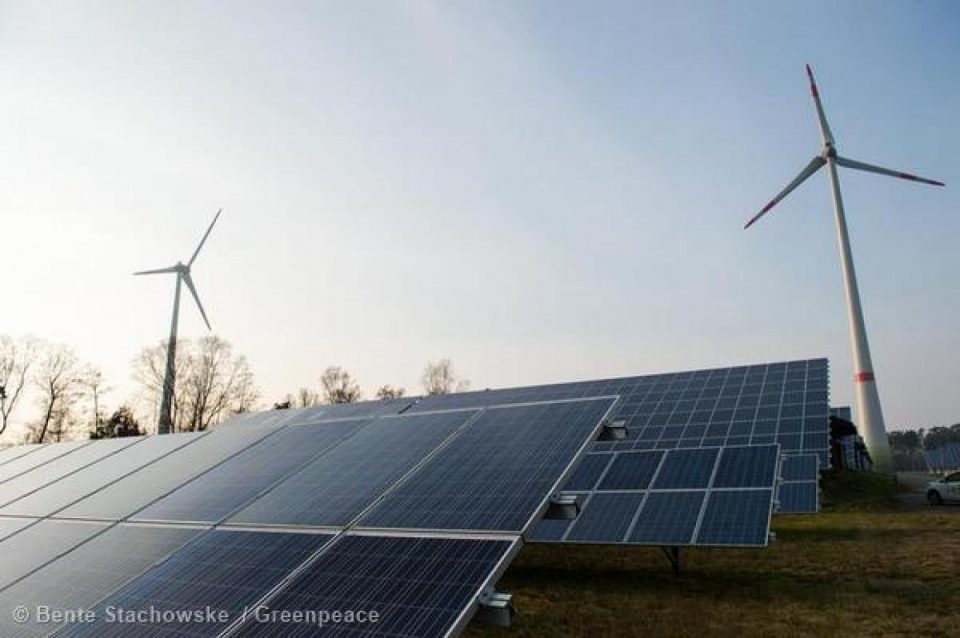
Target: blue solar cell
[(225, 570), (588, 472), (418, 587), (753, 466), (800, 467), (631, 471), (667, 518), (337, 486), (686, 469), (606, 517), (801, 497), (32, 546), (736, 518), (496, 472), (237, 481), (91, 571)]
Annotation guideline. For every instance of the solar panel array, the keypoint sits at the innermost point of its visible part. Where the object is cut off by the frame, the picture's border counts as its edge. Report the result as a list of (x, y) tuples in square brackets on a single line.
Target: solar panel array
[(785, 403), (410, 516), (409, 507), (678, 497), (799, 491)]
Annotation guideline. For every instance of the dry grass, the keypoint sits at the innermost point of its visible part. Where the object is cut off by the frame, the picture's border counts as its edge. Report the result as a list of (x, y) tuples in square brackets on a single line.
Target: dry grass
[(866, 567)]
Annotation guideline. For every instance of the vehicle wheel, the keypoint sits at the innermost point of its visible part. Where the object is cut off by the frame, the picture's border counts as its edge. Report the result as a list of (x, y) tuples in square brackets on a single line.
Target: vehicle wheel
[(933, 497)]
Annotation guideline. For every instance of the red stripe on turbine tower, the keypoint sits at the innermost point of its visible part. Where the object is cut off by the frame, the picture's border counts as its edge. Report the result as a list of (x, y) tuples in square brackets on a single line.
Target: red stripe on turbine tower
[(863, 377)]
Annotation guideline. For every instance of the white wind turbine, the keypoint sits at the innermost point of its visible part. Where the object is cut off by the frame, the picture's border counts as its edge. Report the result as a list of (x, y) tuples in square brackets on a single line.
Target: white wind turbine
[(183, 276), (867, 397)]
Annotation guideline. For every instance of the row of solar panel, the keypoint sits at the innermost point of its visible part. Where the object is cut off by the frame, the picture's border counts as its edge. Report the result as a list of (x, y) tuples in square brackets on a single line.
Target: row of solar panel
[(698, 496), (490, 469), (139, 580), (468, 470)]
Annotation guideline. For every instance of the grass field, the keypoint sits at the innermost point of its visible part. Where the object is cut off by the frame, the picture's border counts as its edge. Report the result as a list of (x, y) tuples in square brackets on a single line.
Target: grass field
[(866, 566)]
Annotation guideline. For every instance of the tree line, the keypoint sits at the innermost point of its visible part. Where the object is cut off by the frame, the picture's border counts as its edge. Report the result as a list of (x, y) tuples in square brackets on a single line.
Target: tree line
[(908, 445), (213, 382)]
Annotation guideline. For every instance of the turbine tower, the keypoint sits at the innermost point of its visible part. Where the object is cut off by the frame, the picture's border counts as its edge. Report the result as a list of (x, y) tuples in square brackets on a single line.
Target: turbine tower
[(867, 397), (183, 276)]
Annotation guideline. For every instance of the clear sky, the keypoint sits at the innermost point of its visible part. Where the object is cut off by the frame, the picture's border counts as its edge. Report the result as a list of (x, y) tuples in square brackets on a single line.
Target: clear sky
[(541, 191)]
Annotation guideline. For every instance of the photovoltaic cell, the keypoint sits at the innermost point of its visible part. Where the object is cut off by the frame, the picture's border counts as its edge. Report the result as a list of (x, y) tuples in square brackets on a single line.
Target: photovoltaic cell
[(588, 472), (799, 498), (801, 467), (91, 571), (336, 487), (35, 545), (686, 469), (225, 570), (630, 470), (746, 467), (59, 494), (239, 480), (606, 518), (123, 498), (736, 517), (420, 587), (496, 472), (15, 451), (44, 454), (668, 518), (800, 491)]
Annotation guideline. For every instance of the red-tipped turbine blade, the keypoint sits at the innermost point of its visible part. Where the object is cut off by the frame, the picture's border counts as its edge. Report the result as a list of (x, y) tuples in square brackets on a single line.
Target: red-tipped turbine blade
[(870, 168), (808, 170), (825, 133)]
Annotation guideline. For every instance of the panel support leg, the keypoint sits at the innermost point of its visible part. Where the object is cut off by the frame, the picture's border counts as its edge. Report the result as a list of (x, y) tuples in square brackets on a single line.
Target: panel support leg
[(673, 555)]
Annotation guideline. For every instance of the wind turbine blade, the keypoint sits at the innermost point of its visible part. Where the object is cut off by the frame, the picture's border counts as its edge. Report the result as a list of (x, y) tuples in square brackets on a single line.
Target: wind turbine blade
[(870, 168), (824, 127), (157, 271), (205, 235), (193, 291), (808, 170)]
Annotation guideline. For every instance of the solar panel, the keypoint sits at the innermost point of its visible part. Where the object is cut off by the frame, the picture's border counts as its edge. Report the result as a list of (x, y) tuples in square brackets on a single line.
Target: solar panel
[(336, 487), (799, 498), (44, 454), (33, 546), (736, 518), (607, 517), (661, 497), (667, 518), (15, 451), (92, 571), (785, 403), (497, 472), (799, 492), (123, 498), (418, 587), (224, 570), (234, 483), (59, 494)]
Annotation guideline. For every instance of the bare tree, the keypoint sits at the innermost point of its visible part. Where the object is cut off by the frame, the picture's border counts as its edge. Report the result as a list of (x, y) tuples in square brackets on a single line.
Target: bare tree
[(307, 398), (58, 383), (389, 392), (339, 386), (211, 382), (17, 357), (95, 387), (439, 378)]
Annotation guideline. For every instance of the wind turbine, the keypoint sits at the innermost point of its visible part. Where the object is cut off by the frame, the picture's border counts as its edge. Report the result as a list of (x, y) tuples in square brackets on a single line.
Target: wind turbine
[(183, 276), (868, 399)]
